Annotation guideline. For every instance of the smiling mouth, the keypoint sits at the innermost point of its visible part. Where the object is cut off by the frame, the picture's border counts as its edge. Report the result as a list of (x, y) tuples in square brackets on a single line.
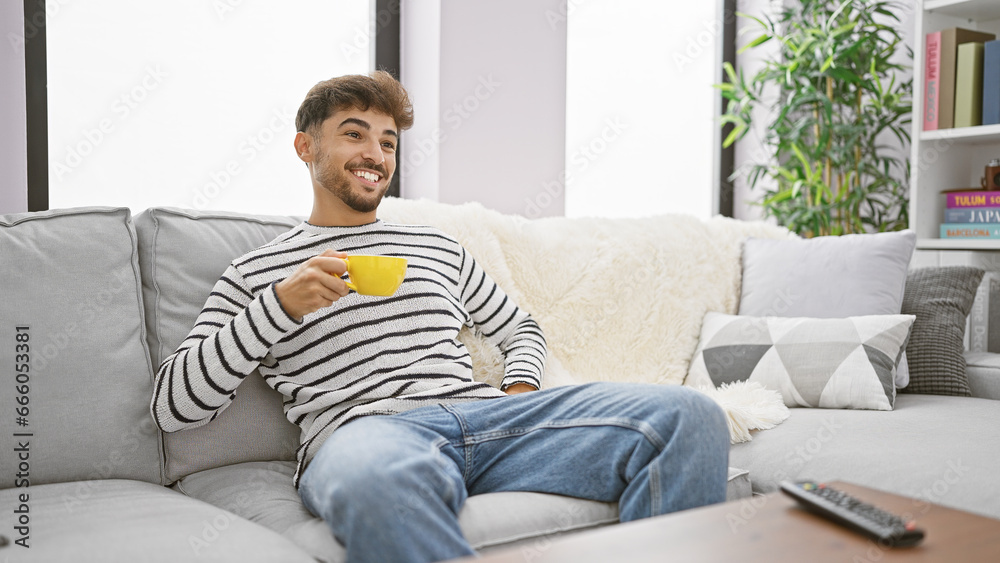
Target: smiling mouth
[(367, 176)]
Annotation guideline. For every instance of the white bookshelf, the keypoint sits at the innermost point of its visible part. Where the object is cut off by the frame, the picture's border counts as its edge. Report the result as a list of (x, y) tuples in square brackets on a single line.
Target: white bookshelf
[(948, 158)]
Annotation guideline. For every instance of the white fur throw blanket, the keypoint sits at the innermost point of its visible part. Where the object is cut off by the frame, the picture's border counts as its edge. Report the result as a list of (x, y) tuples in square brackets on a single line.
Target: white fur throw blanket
[(618, 299)]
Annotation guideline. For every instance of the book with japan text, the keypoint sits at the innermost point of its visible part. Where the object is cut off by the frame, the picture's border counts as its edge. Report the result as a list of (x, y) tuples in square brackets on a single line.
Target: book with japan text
[(972, 215)]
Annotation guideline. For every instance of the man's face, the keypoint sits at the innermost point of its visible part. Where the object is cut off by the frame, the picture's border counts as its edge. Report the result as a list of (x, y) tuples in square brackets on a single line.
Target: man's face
[(355, 157)]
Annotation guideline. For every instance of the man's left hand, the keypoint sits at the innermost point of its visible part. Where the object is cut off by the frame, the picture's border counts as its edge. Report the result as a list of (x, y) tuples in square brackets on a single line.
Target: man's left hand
[(519, 388)]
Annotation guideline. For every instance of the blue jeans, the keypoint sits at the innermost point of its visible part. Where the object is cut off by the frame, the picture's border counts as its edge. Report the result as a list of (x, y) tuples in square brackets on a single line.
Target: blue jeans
[(391, 487)]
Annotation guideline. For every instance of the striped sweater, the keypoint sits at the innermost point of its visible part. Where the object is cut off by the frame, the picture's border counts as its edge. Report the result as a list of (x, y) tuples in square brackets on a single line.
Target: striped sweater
[(362, 355)]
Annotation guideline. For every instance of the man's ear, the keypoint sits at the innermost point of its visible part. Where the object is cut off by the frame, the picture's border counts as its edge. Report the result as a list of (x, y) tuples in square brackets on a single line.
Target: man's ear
[(304, 146)]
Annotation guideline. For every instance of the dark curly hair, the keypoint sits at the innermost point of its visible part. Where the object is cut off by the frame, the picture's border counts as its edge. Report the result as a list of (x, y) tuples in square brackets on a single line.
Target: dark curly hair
[(379, 91)]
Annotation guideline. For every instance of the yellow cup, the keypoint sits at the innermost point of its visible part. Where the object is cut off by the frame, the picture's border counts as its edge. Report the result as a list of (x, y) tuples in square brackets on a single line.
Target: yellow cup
[(375, 275)]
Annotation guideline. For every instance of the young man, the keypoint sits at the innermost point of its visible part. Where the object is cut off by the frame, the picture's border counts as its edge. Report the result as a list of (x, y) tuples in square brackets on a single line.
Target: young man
[(395, 432)]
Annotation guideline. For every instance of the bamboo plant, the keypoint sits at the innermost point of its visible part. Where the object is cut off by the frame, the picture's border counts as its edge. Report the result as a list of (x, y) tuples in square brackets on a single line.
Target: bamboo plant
[(836, 75)]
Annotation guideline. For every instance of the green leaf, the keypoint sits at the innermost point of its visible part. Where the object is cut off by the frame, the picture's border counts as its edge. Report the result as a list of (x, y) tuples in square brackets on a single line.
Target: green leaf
[(734, 135), (845, 75), (731, 73), (845, 4), (844, 29), (754, 18), (759, 41), (802, 159), (796, 188)]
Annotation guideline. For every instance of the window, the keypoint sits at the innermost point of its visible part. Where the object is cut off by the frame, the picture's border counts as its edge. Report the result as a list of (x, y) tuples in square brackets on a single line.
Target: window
[(641, 127), (191, 103)]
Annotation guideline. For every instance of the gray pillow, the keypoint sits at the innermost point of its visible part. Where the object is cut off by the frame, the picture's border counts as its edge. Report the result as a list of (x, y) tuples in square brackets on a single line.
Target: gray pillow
[(941, 298), (843, 363), (182, 253), (72, 328), (828, 277)]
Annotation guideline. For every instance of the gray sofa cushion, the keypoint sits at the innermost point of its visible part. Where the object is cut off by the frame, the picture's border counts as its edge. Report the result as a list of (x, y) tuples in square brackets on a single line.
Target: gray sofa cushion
[(72, 277), (182, 253), (828, 277), (121, 520), (262, 492), (983, 370), (941, 298), (934, 448)]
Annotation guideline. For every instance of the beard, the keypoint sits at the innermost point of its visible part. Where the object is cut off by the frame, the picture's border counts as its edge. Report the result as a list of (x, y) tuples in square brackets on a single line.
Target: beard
[(339, 183)]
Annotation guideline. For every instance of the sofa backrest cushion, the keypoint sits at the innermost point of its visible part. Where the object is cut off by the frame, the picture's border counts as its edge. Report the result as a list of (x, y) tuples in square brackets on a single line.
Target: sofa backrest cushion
[(182, 254), (618, 299), (76, 367)]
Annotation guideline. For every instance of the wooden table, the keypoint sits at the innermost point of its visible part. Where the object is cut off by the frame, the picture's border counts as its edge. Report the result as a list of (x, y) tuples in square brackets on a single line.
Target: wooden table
[(770, 529)]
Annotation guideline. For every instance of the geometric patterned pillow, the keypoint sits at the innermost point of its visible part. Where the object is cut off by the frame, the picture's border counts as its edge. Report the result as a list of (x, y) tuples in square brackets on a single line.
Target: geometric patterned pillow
[(846, 363)]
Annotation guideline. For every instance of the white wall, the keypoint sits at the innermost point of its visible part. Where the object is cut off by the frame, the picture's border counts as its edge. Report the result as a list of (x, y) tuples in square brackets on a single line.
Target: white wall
[(491, 124), (420, 57), (13, 145)]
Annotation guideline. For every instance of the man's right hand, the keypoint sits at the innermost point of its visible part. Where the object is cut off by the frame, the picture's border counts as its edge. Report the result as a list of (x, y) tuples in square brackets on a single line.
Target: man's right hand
[(314, 285)]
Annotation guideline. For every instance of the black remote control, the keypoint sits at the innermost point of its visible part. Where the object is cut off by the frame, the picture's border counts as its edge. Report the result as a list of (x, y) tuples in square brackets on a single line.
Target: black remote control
[(885, 528)]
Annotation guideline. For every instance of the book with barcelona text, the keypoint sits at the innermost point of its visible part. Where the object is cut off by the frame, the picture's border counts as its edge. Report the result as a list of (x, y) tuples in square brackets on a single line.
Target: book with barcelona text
[(984, 231)]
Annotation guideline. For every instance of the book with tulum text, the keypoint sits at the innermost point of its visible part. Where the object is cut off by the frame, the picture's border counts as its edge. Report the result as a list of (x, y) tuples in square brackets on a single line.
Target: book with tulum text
[(932, 81), (973, 198)]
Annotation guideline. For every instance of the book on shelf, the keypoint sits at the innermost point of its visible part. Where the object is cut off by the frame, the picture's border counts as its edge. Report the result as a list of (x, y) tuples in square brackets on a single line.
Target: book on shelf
[(972, 215), (969, 85), (982, 231), (973, 198), (932, 81), (984, 336), (991, 83), (950, 40)]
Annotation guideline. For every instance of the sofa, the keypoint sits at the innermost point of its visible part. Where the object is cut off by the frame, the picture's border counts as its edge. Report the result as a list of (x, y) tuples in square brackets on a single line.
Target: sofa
[(95, 298)]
